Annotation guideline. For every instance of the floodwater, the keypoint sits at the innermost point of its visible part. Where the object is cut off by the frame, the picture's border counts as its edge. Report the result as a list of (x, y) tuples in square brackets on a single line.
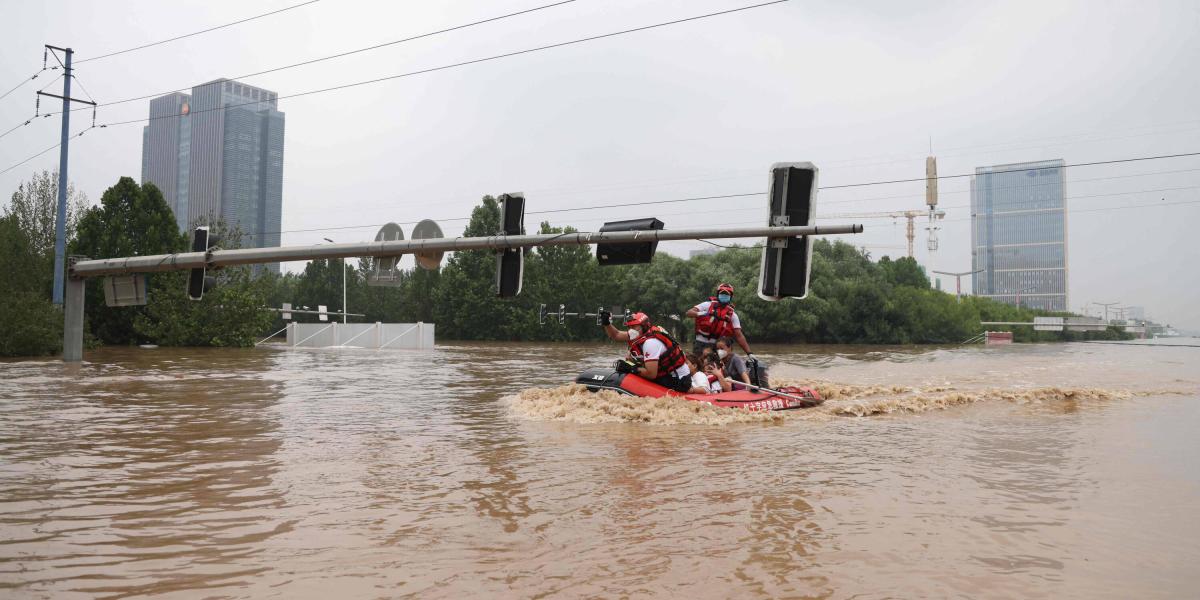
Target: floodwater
[(1033, 471)]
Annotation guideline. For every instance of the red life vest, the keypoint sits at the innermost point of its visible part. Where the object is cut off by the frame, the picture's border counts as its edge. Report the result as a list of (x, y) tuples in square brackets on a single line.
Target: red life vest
[(718, 323), (670, 360)]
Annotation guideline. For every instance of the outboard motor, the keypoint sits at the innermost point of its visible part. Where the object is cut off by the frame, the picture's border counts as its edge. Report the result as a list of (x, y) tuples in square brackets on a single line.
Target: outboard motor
[(601, 379), (757, 370)]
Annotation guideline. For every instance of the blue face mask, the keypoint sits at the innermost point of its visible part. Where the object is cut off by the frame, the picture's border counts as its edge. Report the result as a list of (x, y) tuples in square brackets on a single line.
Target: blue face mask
[(724, 298)]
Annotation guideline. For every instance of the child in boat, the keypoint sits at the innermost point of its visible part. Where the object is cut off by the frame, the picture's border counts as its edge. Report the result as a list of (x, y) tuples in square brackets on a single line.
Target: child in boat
[(699, 379), (718, 382), (707, 379)]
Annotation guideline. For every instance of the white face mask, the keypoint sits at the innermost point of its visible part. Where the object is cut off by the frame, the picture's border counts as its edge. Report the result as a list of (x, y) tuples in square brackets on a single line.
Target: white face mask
[(633, 334), (722, 354)]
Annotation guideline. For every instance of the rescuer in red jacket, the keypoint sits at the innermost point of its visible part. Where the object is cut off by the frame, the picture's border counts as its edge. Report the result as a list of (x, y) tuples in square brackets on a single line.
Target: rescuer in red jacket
[(715, 319), (658, 357)]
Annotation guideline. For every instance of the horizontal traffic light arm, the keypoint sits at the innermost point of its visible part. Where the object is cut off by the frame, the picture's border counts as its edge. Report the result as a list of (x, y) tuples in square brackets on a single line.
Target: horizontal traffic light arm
[(247, 256)]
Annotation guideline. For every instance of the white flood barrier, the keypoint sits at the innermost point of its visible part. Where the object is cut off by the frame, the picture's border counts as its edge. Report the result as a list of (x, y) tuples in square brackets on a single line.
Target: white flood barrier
[(371, 336)]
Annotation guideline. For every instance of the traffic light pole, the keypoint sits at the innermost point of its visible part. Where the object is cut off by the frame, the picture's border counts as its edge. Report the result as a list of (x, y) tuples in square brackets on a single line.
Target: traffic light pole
[(248, 256), (73, 321), (80, 269)]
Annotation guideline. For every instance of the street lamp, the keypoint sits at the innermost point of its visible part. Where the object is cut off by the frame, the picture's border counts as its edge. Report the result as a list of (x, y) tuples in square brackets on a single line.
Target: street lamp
[(1106, 305), (345, 309), (958, 280), (1019, 291)]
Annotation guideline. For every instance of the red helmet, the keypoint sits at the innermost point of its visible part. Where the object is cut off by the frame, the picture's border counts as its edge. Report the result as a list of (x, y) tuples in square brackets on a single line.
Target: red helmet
[(637, 318), (725, 287)]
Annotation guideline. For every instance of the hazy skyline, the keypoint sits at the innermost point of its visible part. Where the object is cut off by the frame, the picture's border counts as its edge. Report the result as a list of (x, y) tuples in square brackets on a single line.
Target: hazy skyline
[(696, 109)]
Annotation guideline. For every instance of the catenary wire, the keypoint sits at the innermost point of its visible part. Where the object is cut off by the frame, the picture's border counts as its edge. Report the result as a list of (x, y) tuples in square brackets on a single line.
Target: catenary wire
[(465, 63), (352, 52), (922, 196), (430, 70), (18, 126), (48, 149), (561, 210), (960, 175), (725, 196), (22, 83), (1071, 211), (195, 33)]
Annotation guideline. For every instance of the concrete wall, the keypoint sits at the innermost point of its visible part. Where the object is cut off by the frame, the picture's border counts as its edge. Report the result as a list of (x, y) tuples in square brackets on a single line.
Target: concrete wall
[(403, 336)]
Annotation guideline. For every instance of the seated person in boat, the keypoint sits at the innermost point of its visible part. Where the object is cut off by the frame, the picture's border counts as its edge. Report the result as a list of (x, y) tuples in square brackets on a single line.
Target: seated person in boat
[(656, 355), (715, 375), (732, 364), (704, 379)]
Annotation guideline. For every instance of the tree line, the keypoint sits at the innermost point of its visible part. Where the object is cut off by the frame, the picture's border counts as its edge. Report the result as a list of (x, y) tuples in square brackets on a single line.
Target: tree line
[(853, 299)]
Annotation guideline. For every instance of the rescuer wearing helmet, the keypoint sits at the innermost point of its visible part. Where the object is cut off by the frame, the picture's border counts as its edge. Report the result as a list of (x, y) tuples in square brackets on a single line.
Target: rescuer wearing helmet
[(716, 319), (657, 356)]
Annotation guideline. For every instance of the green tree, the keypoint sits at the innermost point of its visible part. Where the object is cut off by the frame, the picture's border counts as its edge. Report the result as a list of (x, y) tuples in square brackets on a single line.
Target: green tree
[(29, 323), (464, 303), (131, 220), (230, 314)]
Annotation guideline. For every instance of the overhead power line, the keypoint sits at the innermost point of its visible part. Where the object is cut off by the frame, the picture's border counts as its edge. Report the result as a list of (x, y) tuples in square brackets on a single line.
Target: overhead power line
[(467, 62), (653, 202), (352, 52), (195, 33), (898, 247), (1108, 208), (48, 149), (22, 83), (18, 126), (1022, 170), (763, 192), (430, 70)]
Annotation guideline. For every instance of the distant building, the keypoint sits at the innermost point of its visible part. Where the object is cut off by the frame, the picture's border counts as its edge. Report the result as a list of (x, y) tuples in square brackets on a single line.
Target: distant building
[(1019, 234), (218, 152), (702, 252), (164, 151), (1135, 313)]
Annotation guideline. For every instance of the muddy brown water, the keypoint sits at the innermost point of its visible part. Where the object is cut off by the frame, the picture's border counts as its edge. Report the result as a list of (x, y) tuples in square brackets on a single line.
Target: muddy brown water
[(1028, 471)]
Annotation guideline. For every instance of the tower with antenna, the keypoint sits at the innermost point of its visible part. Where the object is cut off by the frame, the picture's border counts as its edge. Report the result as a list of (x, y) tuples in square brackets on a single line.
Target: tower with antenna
[(931, 200)]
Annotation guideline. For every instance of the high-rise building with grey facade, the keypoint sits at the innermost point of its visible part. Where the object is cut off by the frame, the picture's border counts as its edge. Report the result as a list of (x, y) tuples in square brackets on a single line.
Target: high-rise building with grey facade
[(1019, 234), (218, 152)]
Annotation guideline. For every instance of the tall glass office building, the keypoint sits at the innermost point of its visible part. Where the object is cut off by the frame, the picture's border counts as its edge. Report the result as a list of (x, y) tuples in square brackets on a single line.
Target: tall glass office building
[(1019, 234), (219, 152), (164, 158)]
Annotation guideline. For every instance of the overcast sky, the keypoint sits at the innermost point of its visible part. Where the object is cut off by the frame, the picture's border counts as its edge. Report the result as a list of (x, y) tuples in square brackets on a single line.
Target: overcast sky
[(702, 108)]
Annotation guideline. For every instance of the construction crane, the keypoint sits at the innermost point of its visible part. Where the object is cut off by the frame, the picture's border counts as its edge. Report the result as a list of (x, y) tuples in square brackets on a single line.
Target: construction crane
[(911, 215)]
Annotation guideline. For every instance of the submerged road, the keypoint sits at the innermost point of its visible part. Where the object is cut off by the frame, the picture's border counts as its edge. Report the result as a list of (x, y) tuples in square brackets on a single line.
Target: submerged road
[(1065, 470)]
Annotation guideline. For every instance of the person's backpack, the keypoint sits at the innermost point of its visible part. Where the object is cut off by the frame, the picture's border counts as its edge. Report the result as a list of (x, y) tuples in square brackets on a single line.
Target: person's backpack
[(757, 370)]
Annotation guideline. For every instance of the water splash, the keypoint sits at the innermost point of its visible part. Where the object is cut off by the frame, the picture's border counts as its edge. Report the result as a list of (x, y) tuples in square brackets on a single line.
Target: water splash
[(575, 404)]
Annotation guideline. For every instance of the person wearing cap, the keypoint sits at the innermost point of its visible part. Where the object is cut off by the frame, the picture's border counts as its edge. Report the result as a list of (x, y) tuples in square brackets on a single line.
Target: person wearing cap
[(715, 319), (657, 356)]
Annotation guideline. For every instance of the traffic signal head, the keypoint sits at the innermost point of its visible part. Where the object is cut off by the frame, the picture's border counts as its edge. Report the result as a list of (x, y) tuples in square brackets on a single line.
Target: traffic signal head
[(786, 261), (196, 280), (628, 254), (510, 263)]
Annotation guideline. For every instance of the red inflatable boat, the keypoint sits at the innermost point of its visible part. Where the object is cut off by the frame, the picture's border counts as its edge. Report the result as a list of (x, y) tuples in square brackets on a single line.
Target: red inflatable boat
[(764, 399)]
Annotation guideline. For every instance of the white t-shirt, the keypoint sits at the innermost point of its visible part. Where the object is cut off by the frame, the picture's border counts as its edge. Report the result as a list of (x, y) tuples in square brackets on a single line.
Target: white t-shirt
[(703, 310), (653, 349), (700, 379)]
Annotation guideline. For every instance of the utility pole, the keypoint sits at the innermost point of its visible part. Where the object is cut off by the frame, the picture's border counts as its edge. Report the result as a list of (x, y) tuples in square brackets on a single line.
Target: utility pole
[(958, 280), (1106, 308), (60, 222), (344, 308)]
